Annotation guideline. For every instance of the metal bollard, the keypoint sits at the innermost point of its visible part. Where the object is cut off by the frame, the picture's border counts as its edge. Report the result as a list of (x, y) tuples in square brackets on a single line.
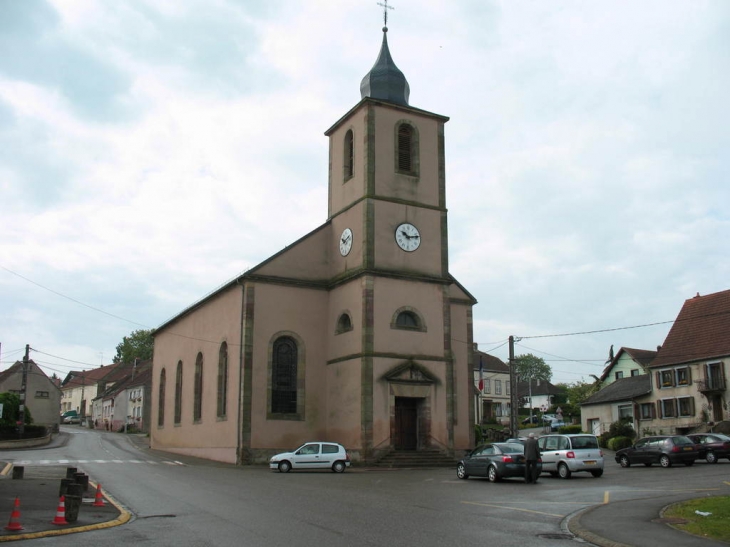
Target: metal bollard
[(70, 472), (18, 472), (82, 479)]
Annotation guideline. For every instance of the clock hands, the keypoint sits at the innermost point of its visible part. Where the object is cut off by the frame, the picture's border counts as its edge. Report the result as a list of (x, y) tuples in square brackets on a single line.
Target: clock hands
[(403, 232)]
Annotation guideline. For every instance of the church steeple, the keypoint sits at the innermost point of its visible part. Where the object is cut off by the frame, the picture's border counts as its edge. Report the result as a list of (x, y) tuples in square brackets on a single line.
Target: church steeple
[(385, 81)]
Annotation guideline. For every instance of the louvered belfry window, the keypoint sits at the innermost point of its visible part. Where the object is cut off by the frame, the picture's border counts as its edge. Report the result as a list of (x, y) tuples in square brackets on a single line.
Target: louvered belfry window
[(405, 148), (349, 159), (222, 380), (178, 393), (161, 399), (198, 389), (284, 376)]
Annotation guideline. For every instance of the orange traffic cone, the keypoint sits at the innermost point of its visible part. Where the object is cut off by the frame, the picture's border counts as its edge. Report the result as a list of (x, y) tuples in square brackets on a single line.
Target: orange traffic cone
[(60, 512), (98, 499), (14, 524)]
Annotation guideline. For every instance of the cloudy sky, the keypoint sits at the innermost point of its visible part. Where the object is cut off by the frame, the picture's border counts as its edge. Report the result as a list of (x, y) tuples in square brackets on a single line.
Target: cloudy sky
[(151, 150)]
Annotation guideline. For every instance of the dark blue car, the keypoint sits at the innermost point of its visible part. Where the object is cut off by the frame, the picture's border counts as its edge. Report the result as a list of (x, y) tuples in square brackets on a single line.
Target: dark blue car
[(496, 461)]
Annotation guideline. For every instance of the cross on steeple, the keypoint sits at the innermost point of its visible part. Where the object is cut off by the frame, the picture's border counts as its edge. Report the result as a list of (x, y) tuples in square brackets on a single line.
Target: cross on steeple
[(386, 7)]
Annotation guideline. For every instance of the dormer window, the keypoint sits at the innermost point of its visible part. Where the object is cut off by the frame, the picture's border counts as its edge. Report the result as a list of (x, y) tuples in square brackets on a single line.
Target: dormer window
[(349, 155)]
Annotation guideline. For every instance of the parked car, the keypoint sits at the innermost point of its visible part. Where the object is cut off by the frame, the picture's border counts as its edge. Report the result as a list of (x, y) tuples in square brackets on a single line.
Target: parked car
[(313, 455), (563, 455), (534, 420), (665, 450), (556, 424), (70, 417), (496, 461), (711, 446), (547, 418)]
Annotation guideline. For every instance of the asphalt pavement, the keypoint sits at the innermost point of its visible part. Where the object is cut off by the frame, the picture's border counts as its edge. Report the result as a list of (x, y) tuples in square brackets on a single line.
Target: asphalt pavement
[(614, 524)]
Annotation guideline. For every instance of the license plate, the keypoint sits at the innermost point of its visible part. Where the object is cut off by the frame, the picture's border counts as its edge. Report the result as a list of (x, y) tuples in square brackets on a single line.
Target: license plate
[(590, 462), (688, 448)]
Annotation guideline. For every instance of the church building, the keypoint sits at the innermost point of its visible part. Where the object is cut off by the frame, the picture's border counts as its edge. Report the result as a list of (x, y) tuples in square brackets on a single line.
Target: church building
[(356, 333)]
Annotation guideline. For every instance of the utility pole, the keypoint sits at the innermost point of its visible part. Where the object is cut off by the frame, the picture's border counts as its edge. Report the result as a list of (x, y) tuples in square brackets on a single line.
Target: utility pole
[(23, 387), (513, 398)]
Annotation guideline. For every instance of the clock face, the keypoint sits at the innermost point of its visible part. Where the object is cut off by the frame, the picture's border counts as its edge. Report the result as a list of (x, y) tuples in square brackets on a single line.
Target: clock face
[(407, 237), (345, 242)]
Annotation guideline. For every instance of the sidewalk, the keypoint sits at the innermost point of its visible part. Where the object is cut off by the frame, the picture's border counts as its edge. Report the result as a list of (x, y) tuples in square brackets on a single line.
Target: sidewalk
[(38, 494)]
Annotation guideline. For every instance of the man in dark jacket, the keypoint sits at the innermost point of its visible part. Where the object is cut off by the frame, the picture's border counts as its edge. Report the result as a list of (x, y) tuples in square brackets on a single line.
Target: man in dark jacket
[(532, 454)]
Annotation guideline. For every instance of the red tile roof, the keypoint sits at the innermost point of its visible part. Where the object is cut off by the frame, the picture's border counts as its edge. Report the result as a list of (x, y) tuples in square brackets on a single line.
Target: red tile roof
[(701, 331)]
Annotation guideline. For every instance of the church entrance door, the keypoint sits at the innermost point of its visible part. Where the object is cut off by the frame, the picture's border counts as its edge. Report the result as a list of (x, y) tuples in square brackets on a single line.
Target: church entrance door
[(406, 423)]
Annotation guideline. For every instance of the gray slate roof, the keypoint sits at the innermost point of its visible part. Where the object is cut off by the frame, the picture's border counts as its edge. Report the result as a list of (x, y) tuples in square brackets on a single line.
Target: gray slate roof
[(623, 389)]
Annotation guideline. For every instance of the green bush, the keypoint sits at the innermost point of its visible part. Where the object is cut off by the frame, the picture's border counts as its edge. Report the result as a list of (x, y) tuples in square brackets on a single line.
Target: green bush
[(570, 429), (617, 443), (622, 428)]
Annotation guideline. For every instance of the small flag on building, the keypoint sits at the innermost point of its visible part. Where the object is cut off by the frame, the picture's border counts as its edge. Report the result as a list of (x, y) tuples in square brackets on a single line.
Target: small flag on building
[(481, 374)]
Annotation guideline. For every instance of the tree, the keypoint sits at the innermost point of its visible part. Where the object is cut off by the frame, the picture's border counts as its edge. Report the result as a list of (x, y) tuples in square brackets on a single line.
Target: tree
[(11, 411), (530, 368), (138, 345)]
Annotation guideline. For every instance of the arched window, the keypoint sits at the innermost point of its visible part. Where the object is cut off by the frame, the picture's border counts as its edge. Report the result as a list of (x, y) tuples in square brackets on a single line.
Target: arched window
[(284, 376), (407, 318), (407, 159), (161, 400), (178, 392), (198, 389), (344, 324), (349, 155), (222, 380)]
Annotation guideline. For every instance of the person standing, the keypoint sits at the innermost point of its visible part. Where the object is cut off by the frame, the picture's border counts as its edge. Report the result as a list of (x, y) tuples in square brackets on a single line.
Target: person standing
[(532, 454)]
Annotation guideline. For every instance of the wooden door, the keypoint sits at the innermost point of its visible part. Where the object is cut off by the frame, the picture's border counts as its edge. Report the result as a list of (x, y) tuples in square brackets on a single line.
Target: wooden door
[(406, 423)]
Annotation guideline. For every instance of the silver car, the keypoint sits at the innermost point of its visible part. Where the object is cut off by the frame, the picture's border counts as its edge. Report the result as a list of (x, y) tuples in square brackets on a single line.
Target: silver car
[(312, 455), (563, 455)]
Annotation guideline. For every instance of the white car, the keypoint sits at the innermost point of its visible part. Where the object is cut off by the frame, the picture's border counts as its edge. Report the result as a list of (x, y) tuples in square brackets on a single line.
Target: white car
[(312, 455), (563, 455)]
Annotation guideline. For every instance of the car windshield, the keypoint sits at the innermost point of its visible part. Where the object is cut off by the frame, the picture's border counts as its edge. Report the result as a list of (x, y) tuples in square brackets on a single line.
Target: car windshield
[(511, 448)]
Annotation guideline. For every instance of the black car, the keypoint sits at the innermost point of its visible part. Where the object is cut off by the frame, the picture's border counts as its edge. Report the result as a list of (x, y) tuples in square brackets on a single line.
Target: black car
[(711, 446), (533, 420), (662, 449), (495, 461)]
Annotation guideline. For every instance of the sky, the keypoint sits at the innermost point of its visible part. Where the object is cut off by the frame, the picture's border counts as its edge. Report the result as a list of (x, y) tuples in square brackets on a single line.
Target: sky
[(152, 150)]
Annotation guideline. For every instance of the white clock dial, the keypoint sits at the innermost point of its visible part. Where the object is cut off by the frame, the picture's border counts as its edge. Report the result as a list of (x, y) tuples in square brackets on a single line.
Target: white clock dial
[(407, 237), (345, 242)]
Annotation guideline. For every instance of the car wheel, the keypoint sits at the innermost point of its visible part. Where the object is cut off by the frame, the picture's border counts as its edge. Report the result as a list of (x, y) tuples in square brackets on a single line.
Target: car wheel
[(284, 467), (338, 467), (597, 473), (563, 471), (664, 461), (624, 461), (461, 471), (711, 458), (492, 474)]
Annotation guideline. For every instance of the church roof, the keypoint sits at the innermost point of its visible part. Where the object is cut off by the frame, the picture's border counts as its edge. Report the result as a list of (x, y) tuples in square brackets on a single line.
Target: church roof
[(385, 81)]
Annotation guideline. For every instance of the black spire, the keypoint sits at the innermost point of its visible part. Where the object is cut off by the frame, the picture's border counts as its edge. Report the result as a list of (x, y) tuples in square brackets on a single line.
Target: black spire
[(385, 81)]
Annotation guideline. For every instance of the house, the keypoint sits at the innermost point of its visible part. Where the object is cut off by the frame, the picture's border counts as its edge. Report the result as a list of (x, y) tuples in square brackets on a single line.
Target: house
[(687, 377), (627, 362), (537, 394), (126, 400), (81, 387), (356, 333), (492, 388), (42, 395), (617, 400), (690, 369)]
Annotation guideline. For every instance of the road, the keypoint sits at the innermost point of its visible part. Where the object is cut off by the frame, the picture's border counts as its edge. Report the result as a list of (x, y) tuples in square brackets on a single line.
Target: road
[(180, 501)]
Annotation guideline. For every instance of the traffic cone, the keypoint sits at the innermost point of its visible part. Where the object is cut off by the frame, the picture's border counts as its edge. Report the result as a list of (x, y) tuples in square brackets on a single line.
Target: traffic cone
[(98, 499), (14, 524), (60, 512)]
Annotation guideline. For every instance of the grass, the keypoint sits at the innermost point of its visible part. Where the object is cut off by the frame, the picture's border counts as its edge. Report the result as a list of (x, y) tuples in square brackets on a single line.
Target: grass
[(714, 526)]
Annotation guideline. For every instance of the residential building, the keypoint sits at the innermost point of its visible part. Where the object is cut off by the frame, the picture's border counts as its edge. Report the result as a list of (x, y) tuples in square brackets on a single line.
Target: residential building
[(79, 388), (687, 377), (356, 333), (627, 362), (492, 401), (42, 395), (126, 400), (539, 394)]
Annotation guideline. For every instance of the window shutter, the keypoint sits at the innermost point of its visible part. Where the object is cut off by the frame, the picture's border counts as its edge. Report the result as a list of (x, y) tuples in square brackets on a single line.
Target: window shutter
[(691, 406), (689, 375), (659, 409), (658, 379)]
